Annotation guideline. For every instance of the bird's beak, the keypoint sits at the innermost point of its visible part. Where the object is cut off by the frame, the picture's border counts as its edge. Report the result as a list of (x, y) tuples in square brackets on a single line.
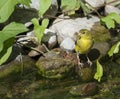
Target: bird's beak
[(79, 34)]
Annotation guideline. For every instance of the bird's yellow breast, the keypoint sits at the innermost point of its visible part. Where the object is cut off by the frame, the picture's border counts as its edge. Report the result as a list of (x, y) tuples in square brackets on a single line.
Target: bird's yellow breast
[(83, 45)]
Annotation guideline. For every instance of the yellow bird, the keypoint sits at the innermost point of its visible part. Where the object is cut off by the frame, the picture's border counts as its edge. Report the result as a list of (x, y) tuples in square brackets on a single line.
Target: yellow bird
[(83, 45)]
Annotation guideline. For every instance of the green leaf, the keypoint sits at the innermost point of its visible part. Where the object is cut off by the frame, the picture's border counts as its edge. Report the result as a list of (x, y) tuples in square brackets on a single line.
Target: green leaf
[(109, 23), (44, 5), (25, 2), (84, 8), (5, 53), (45, 23), (110, 20), (99, 72), (70, 6), (39, 29), (6, 9), (35, 22), (115, 17), (11, 30), (114, 49)]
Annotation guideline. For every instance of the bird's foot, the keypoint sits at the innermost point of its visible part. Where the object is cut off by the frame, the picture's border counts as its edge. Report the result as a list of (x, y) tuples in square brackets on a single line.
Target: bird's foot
[(89, 62), (80, 65)]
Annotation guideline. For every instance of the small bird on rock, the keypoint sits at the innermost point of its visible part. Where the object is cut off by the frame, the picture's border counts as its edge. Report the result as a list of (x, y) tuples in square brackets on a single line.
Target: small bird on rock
[(83, 44)]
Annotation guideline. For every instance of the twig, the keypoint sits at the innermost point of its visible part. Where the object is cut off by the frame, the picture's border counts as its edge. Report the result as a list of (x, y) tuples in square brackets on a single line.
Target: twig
[(46, 48), (50, 16), (32, 48), (113, 1)]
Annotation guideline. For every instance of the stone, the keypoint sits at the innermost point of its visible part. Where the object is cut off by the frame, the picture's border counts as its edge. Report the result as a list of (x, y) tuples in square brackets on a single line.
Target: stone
[(85, 74), (68, 27), (109, 9), (87, 89), (54, 65), (50, 38), (68, 44), (95, 3)]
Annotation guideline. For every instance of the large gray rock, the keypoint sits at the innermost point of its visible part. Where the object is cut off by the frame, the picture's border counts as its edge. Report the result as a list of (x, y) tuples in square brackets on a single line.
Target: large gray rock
[(68, 27)]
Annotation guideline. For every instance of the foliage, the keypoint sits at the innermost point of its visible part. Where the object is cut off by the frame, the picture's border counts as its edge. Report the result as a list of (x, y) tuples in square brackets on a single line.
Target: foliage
[(99, 72), (5, 53), (44, 5), (9, 32), (85, 8), (7, 7), (114, 49), (6, 39), (24, 2), (70, 6), (110, 20), (39, 29)]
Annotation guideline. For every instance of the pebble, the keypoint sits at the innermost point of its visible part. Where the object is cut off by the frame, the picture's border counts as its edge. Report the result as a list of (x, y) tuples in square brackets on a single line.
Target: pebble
[(68, 44)]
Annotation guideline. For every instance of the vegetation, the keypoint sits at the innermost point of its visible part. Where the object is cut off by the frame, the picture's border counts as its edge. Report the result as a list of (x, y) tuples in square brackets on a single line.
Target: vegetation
[(9, 32)]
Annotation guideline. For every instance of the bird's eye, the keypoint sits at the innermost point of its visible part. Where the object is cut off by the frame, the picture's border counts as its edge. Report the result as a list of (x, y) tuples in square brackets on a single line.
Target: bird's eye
[(83, 32)]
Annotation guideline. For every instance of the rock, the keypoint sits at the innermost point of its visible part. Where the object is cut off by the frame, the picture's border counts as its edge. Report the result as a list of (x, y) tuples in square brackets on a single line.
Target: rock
[(68, 27), (35, 4), (109, 9), (27, 24), (85, 74), (49, 38), (102, 47), (68, 44), (100, 33), (54, 64), (40, 49), (21, 62), (88, 89), (30, 36), (101, 38), (54, 68), (52, 41), (95, 3)]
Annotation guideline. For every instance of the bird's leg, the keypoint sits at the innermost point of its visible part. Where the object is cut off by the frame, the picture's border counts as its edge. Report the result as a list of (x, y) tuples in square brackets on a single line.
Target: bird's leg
[(80, 65), (88, 61)]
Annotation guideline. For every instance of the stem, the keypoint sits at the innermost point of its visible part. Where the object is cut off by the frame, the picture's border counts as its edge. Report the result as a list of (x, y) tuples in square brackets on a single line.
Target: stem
[(93, 9), (35, 49), (113, 1), (46, 48), (50, 16)]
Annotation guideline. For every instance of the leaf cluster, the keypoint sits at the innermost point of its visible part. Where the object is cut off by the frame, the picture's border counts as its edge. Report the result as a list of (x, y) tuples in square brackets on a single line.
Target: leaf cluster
[(110, 20)]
